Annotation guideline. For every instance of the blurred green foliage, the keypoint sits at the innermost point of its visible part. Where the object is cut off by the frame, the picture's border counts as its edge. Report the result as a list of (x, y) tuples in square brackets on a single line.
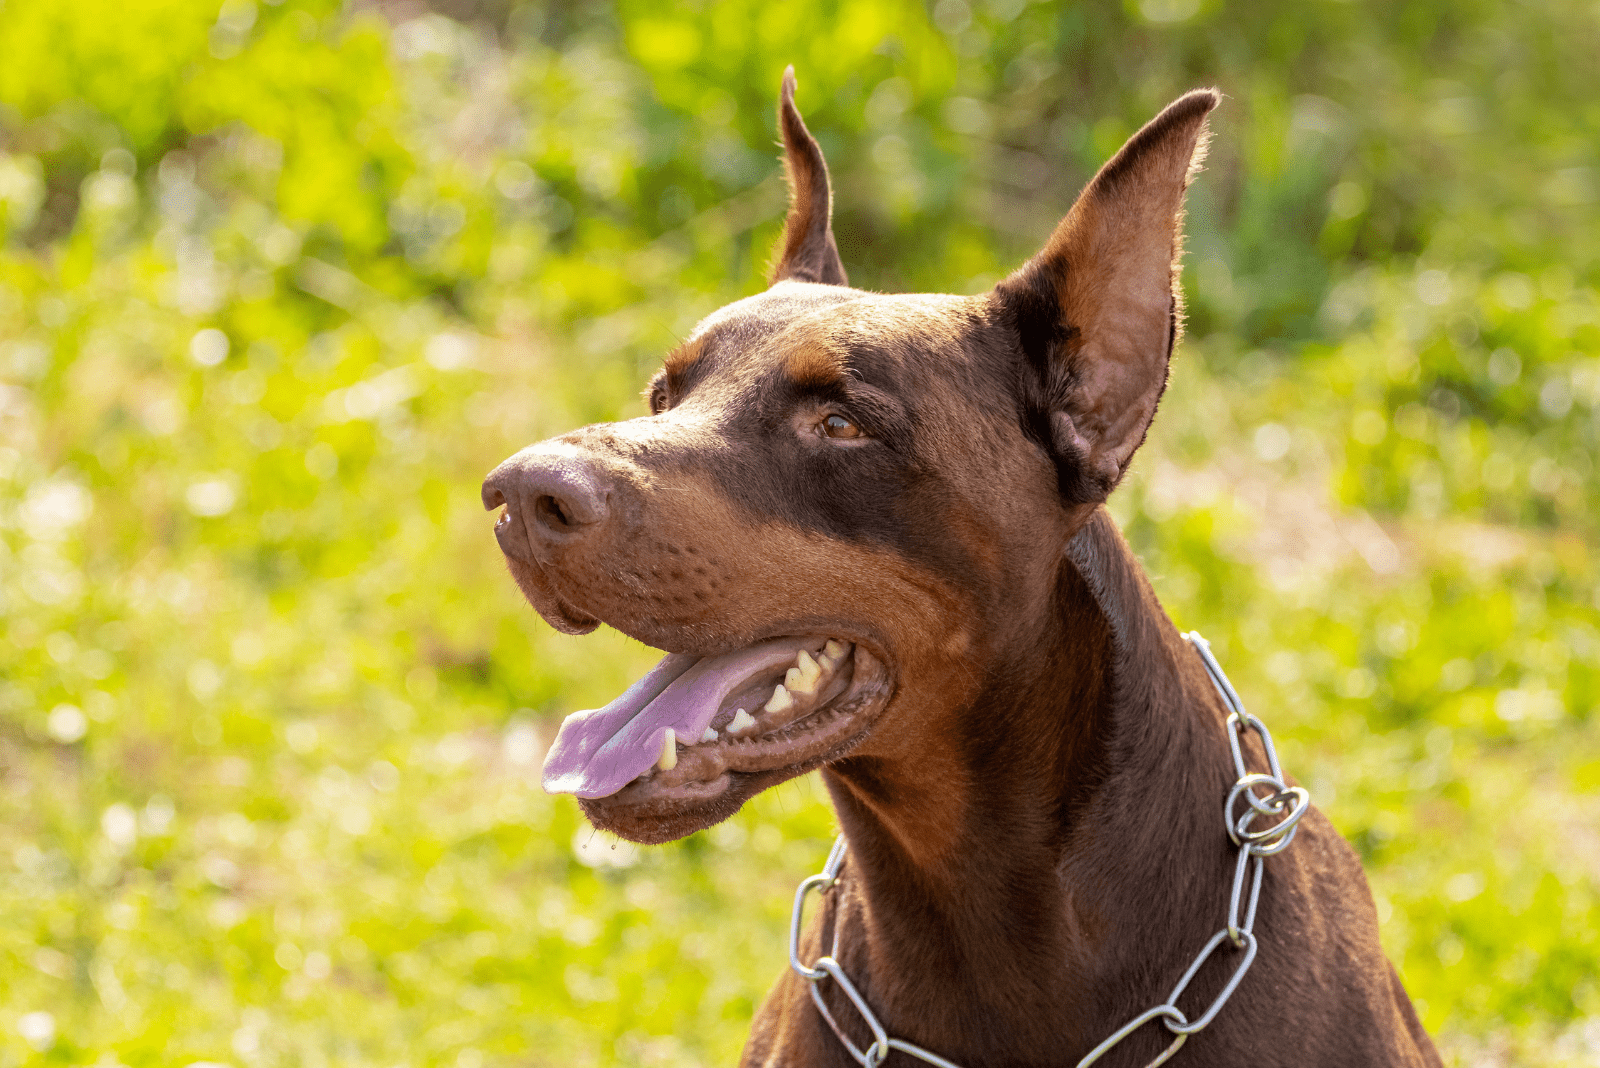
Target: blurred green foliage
[(280, 282)]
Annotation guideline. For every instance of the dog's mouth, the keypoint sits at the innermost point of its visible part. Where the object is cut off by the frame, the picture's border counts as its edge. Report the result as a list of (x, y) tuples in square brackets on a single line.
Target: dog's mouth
[(684, 731)]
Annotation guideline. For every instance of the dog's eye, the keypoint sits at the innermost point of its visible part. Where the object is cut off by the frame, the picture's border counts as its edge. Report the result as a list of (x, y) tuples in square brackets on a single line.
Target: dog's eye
[(837, 426)]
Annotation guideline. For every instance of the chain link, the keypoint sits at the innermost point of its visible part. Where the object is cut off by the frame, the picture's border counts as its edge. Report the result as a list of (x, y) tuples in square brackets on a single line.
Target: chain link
[(1284, 805)]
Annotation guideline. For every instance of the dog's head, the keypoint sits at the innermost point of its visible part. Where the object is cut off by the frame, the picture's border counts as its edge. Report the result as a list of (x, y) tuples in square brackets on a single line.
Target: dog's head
[(845, 508)]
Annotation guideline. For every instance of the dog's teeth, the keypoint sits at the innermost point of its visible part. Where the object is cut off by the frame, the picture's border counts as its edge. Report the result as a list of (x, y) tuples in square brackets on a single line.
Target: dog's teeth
[(834, 650), (803, 677), (741, 722), (780, 701), (708, 735), (669, 751)]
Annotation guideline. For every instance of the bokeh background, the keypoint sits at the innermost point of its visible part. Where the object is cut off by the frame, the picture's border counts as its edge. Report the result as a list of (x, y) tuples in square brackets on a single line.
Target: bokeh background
[(281, 281)]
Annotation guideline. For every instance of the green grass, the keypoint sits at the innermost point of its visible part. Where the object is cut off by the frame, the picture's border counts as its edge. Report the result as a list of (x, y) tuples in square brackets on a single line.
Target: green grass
[(280, 283)]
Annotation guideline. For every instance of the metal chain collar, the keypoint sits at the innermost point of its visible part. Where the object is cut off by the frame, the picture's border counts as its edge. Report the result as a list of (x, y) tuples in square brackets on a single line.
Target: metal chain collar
[(1287, 803)]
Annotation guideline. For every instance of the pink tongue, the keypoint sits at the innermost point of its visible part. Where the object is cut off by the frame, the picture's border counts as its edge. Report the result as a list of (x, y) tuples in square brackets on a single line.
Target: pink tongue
[(601, 750)]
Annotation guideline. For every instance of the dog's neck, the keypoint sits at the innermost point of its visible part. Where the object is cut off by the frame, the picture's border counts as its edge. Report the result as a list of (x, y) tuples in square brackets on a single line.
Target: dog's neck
[(1076, 837)]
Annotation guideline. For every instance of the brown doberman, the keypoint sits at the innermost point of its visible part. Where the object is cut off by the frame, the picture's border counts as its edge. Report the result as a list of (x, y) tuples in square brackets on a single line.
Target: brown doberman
[(869, 531)]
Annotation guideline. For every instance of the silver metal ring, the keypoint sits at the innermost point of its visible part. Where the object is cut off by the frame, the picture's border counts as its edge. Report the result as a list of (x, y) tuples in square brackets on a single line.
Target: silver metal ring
[(1297, 800)]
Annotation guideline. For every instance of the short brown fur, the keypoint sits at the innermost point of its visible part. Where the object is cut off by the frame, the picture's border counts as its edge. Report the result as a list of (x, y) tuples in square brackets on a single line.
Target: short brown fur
[(1031, 788), (681, 360), (814, 365)]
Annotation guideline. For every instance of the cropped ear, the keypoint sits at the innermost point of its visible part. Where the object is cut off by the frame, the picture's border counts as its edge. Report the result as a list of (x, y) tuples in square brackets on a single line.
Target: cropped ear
[(806, 252), (1099, 310)]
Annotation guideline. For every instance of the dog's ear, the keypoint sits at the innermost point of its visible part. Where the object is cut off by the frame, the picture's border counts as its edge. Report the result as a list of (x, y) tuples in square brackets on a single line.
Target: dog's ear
[(1099, 310), (806, 252)]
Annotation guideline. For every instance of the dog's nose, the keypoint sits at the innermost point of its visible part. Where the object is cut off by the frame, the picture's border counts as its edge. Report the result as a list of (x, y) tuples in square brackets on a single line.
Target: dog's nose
[(553, 495)]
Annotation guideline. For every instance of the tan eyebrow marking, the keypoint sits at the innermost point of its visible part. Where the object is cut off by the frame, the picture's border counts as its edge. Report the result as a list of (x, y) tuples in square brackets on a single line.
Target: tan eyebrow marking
[(814, 365), (683, 358)]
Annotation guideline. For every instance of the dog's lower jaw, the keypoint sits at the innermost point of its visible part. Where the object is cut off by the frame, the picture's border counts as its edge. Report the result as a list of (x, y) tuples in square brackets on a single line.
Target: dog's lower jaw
[(665, 806)]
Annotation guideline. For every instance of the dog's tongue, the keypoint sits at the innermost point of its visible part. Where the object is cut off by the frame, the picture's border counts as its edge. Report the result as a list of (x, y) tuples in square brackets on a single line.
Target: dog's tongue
[(601, 750)]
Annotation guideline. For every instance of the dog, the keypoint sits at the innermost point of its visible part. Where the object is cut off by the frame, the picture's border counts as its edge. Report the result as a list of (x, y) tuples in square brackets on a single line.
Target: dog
[(869, 531)]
